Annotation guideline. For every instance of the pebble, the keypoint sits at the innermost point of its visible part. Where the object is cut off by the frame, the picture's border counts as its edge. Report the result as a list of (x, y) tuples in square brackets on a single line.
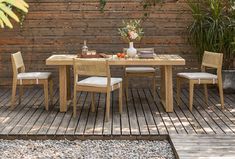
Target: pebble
[(87, 149)]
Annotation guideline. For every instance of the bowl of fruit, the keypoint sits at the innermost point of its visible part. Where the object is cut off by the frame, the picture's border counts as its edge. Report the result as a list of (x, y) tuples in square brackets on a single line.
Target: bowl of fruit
[(121, 55)]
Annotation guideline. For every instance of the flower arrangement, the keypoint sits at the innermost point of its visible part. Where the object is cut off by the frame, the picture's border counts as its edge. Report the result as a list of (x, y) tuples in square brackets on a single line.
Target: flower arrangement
[(131, 31)]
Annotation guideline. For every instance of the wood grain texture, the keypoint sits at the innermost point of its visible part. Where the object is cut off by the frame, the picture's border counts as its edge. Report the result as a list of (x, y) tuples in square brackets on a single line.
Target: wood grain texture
[(59, 27), (141, 115)]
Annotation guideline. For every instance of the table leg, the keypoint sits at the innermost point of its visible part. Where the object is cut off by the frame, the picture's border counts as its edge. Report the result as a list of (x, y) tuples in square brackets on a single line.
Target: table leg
[(167, 88), (63, 88), (68, 80)]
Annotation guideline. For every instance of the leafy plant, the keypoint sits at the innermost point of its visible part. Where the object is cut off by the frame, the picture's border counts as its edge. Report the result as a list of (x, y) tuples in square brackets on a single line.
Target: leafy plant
[(6, 11), (131, 31), (212, 28), (102, 5), (145, 3)]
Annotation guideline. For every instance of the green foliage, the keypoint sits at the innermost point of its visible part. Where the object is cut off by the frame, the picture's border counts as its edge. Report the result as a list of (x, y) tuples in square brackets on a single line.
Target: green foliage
[(6, 11), (102, 5), (145, 3), (212, 28), (132, 30)]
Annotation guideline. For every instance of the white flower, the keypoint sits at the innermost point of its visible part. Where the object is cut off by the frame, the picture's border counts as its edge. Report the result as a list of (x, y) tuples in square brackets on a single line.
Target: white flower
[(133, 35)]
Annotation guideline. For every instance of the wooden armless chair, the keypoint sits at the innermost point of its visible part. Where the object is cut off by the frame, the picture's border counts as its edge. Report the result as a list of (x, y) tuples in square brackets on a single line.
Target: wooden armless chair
[(99, 81), (210, 60), (20, 77), (131, 72)]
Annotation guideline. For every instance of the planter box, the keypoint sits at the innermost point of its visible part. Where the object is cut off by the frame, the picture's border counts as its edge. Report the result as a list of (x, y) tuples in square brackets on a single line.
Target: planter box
[(228, 81)]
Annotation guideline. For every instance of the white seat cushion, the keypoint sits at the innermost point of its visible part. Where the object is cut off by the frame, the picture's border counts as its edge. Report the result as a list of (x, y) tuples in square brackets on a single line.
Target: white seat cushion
[(197, 75), (98, 81), (140, 69), (33, 75)]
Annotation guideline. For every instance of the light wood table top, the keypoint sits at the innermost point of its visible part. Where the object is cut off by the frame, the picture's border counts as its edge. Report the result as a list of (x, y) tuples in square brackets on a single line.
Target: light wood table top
[(113, 60)]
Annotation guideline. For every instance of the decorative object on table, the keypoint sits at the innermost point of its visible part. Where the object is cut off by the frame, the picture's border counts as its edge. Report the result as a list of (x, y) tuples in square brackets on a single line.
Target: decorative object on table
[(131, 32), (146, 54), (84, 48), (100, 55), (121, 55)]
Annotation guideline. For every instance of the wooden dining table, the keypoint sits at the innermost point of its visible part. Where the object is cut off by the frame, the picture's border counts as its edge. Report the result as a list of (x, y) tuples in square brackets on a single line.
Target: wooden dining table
[(166, 62)]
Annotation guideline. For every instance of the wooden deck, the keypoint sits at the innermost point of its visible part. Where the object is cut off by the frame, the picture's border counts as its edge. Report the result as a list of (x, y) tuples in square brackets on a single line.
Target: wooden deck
[(141, 116), (204, 146), (207, 132)]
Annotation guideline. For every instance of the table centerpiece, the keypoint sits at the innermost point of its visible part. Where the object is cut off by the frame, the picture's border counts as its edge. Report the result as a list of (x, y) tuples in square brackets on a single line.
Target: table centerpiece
[(132, 31)]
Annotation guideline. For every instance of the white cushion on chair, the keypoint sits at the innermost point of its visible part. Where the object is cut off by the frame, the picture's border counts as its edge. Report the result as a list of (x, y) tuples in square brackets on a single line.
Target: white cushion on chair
[(33, 75), (140, 69), (98, 81), (197, 75)]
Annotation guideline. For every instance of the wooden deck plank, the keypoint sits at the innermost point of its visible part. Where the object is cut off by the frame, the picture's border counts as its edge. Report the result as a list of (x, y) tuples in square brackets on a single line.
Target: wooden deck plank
[(143, 127), (204, 146), (83, 103), (17, 113), (132, 115), (74, 121), (116, 129), (125, 120), (165, 117), (156, 114), (98, 130), (107, 128), (219, 125), (17, 128), (30, 123), (229, 106), (89, 130), (198, 122), (147, 113), (199, 107), (226, 124)]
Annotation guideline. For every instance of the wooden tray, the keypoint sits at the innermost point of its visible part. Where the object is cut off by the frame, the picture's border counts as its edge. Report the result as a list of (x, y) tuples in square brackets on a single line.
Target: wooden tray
[(101, 55)]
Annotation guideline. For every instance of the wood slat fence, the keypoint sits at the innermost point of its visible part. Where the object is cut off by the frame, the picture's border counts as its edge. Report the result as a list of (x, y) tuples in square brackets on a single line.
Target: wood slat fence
[(61, 26)]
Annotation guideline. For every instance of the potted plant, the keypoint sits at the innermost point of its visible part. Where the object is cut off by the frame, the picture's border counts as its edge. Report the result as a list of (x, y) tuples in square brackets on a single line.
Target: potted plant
[(212, 29), (6, 7)]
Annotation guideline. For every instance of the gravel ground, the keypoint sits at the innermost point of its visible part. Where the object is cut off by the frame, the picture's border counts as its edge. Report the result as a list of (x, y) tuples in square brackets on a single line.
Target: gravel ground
[(88, 149)]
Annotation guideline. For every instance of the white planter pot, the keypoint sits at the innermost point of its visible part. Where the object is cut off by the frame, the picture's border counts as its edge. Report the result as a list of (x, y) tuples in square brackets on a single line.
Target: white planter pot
[(131, 51)]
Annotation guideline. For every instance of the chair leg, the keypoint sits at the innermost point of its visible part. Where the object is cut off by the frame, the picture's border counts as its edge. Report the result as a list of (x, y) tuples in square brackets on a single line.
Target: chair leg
[(107, 106), (13, 94), (46, 95), (74, 103), (21, 91), (221, 93), (191, 89), (206, 93), (51, 92), (154, 87), (120, 98), (92, 102), (178, 89), (127, 85)]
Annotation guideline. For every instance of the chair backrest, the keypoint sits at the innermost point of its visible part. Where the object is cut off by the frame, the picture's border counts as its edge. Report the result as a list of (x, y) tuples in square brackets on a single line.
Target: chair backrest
[(91, 67), (17, 63), (140, 49), (212, 59)]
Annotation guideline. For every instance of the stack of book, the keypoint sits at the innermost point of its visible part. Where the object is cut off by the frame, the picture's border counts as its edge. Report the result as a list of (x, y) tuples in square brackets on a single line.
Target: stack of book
[(146, 54)]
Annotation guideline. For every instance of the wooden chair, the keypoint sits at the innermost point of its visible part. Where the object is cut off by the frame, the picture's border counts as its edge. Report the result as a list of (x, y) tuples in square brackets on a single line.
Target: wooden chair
[(211, 60), (100, 81), (131, 72), (20, 77)]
